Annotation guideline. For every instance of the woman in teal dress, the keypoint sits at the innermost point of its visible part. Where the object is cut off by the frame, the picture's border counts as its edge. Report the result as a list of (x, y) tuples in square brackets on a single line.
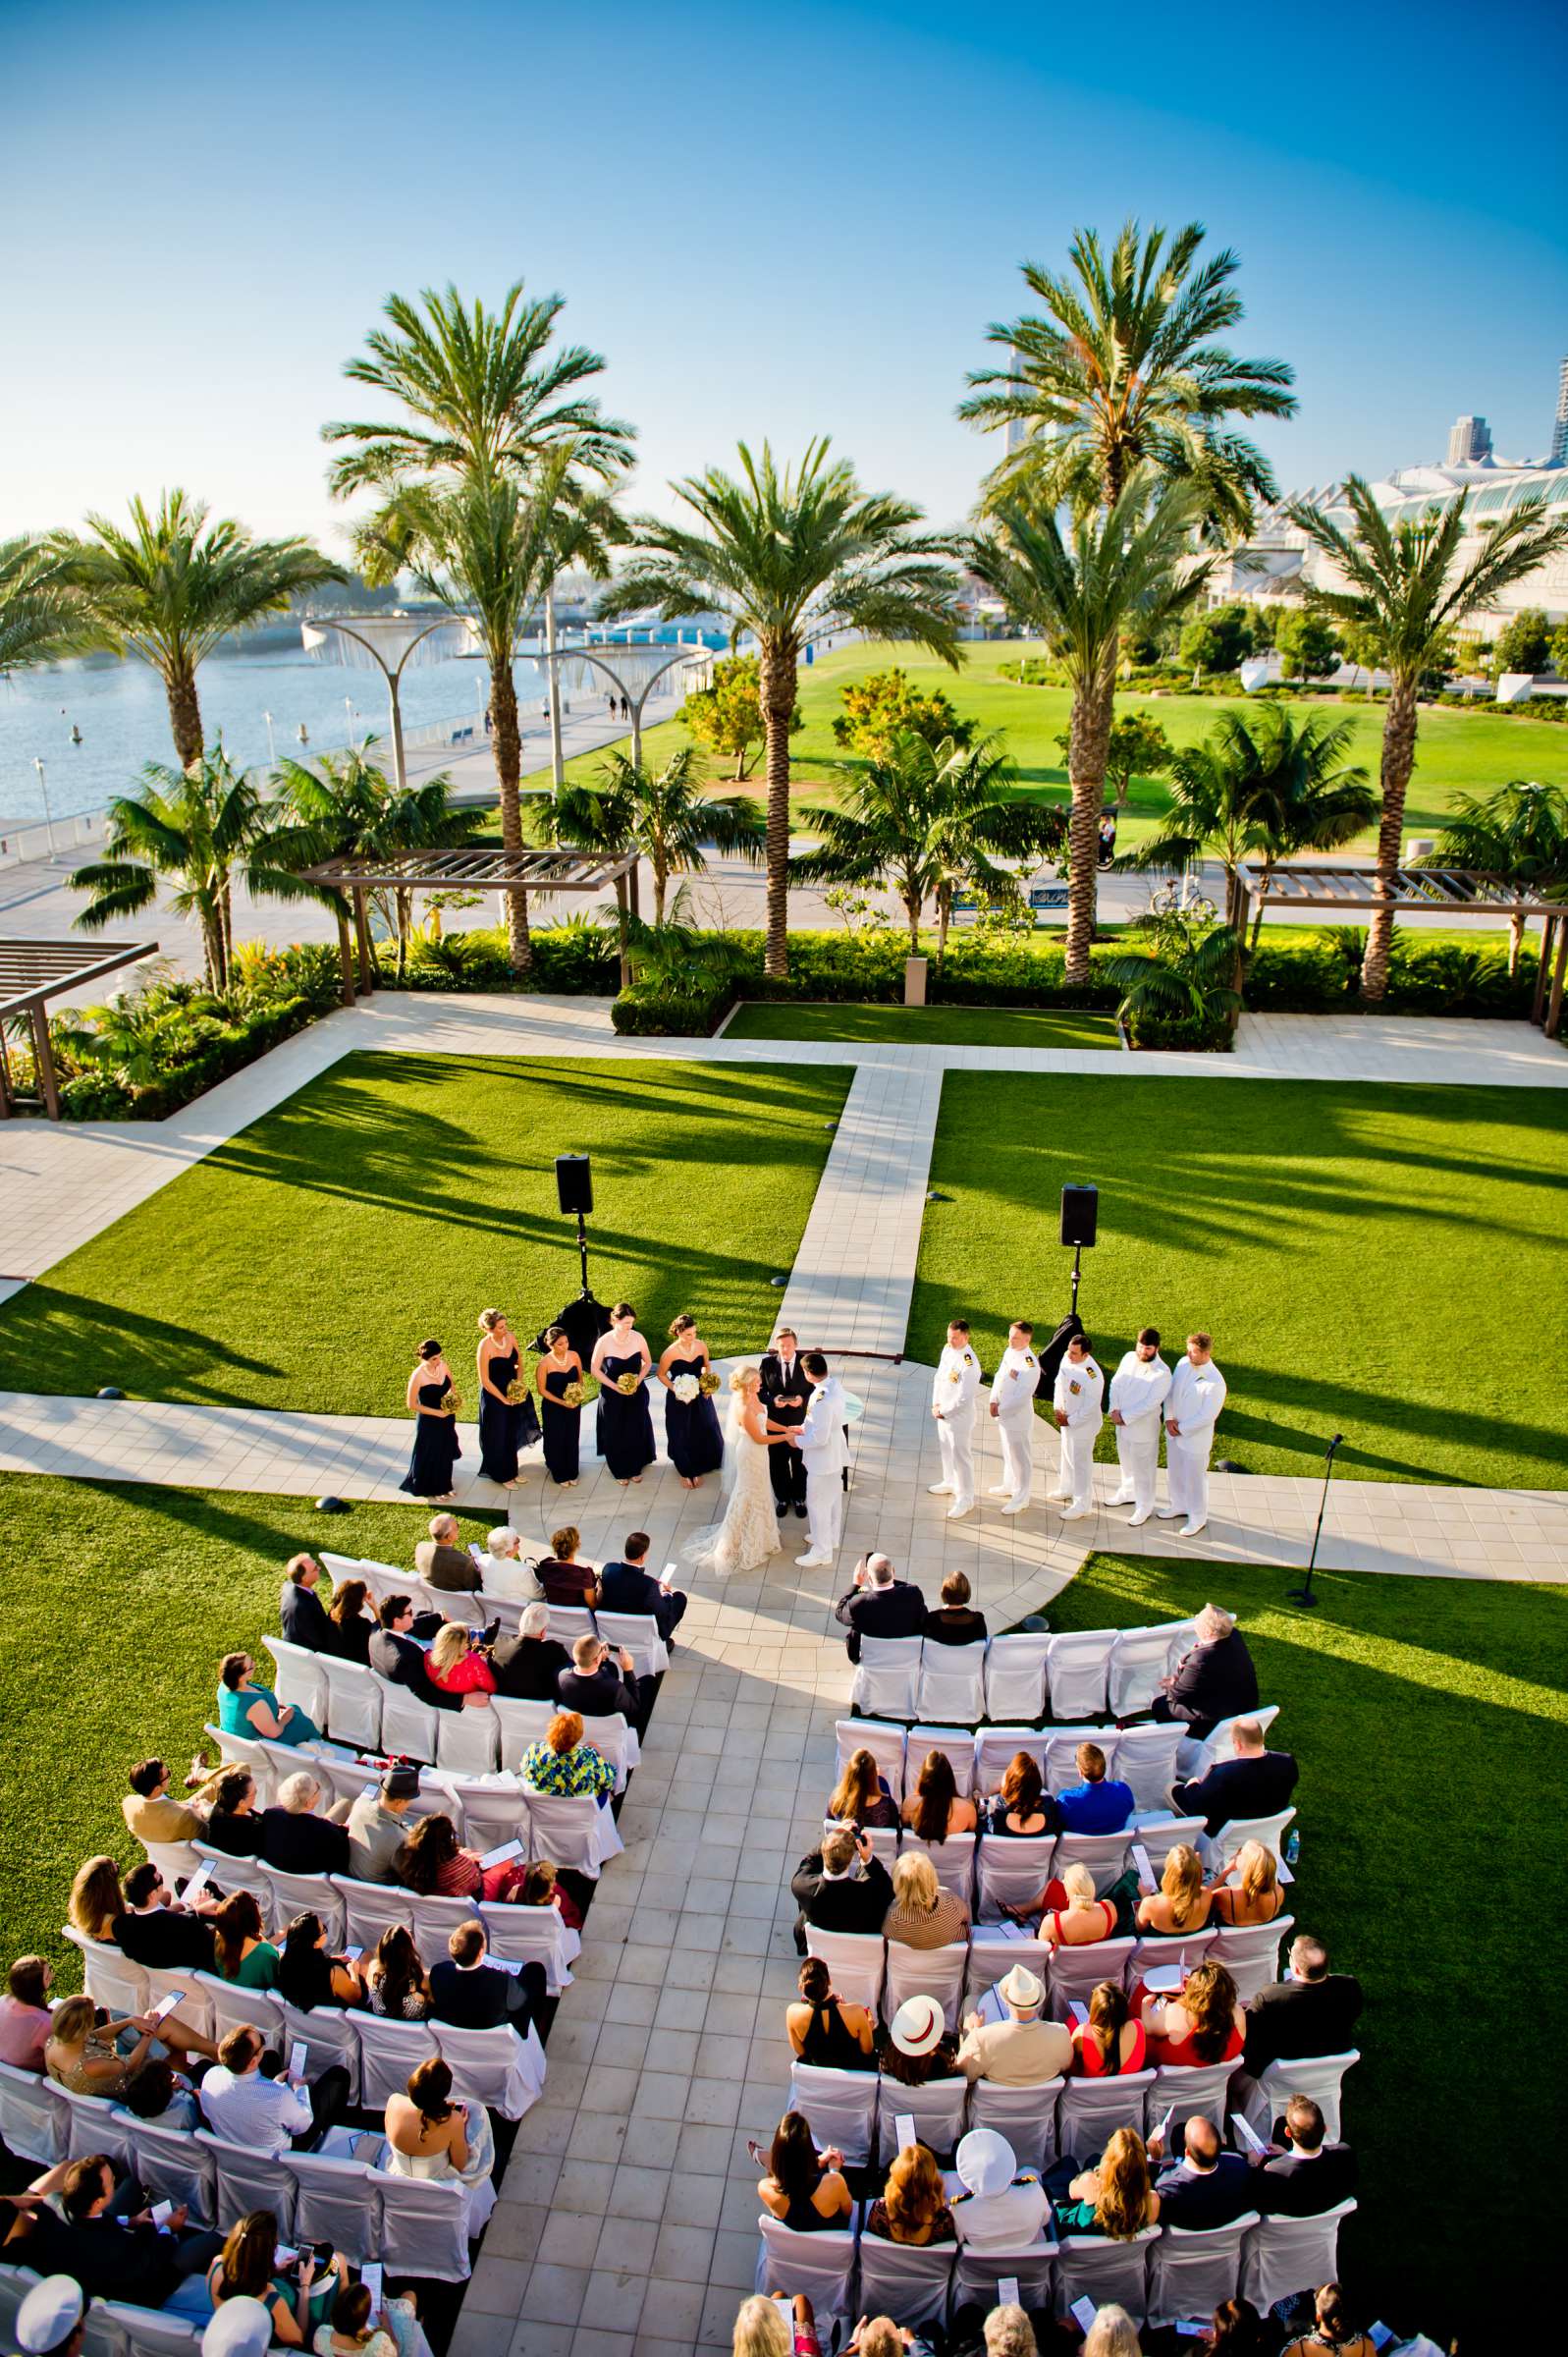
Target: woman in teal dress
[(254, 1712)]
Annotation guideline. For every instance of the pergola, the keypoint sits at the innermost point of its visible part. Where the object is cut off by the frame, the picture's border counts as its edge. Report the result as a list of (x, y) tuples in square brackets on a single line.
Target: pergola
[(32, 973), (1359, 891), (556, 868)]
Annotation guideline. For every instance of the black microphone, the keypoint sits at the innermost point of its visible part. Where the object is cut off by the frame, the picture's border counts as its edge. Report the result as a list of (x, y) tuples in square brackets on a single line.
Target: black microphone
[(1334, 1443)]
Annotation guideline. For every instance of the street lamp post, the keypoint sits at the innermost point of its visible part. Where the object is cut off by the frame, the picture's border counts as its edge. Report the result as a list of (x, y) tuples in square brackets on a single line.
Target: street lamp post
[(43, 788), (393, 674)]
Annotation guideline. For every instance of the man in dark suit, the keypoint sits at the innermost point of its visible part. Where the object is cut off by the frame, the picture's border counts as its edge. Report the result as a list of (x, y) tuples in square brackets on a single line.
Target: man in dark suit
[(1213, 1680), (841, 1887), (441, 1562), (527, 1666), (300, 1611), (475, 1994), (396, 1657), (1304, 2175), (1204, 2186), (295, 1839), (879, 1605), (156, 1932), (595, 1686), (1314, 2012), (785, 1393), (80, 2228), (630, 1587), (1251, 1783)]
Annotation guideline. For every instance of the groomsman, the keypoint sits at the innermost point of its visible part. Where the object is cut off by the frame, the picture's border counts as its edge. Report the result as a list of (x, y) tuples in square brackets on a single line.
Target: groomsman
[(825, 1452), (1012, 1405), (1197, 1395), (1138, 1390), (1079, 1396), (952, 1403), (783, 1394)]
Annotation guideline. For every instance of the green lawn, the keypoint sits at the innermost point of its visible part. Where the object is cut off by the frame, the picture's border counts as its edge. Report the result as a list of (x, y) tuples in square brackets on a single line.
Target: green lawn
[(1380, 1261), (926, 1026), (1456, 751), (1429, 1720), (396, 1196)]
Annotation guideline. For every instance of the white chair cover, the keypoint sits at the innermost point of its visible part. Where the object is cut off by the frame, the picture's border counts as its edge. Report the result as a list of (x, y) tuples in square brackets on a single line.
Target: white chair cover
[(436, 1919), (1025, 2115), (389, 2052), (95, 2124), (905, 2281), (520, 1723), (1191, 2272), (979, 2275), (468, 1742), (490, 1810), (33, 2117), (407, 1725), (353, 1704), (569, 1832), (424, 2226), (1091, 2109), (195, 2011), (1186, 2089), (821, 2264), (957, 1742), (1250, 1953), (533, 1936), (1283, 2255), (839, 2107), (1075, 1671), (886, 1744), (857, 1961), (1196, 1757), (1076, 1972), (1104, 1854), (936, 2110), (299, 1677), (109, 1977), (1139, 1659), (1061, 1753), (1089, 2267), (372, 1909), (936, 1972), (1318, 2076), (887, 1675), (314, 1894), (1012, 1870), (1146, 1759), (954, 1861), (176, 1861), (1154, 1953), (174, 2167), (997, 1746), (246, 1752), (1160, 1836), (1015, 1676), (640, 1633), (496, 2067), (149, 2331), (336, 2200), (329, 2035), (952, 1681), (243, 1874), (569, 1622), (1222, 1849), (249, 2180), (991, 1959)]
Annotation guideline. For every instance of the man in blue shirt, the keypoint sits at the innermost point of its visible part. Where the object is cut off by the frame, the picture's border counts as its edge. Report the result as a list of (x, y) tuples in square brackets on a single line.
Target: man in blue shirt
[(1101, 1804)]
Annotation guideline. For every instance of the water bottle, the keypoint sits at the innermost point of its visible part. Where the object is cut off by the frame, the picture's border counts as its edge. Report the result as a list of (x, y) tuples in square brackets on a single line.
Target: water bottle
[(1293, 1846)]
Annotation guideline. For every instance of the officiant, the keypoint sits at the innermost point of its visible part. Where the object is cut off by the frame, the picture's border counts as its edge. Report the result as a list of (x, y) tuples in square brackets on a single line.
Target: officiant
[(785, 1393)]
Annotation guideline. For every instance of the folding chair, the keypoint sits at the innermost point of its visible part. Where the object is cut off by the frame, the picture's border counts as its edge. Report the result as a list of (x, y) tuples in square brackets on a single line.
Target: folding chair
[(427, 2224), (409, 1725), (1146, 1759), (1283, 2255), (639, 1633), (1061, 1766), (195, 2010), (857, 1961), (905, 2281), (328, 2036), (299, 1679), (567, 1623), (502, 2068), (520, 1723), (1139, 1659), (336, 2200), (821, 2264), (616, 1741), (436, 1919), (1089, 2266), (884, 1743), (1320, 2076), (32, 2117), (339, 1567), (887, 1675), (839, 2107), (1222, 1850), (954, 1861), (95, 2124), (1186, 2089), (935, 1972), (1104, 1854), (247, 2181), (991, 1960), (490, 1810), (979, 2275), (468, 1742), (569, 1832), (1075, 1671), (372, 1909), (936, 2110), (1015, 1676), (1160, 1835), (1250, 1953), (353, 1703), (174, 2167), (1191, 2272), (957, 1742), (149, 2331), (1091, 2109), (1155, 1954), (176, 1861), (533, 1936), (1012, 1870), (1077, 1972), (109, 1977), (389, 2052), (952, 1681), (1199, 1755), (242, 1874), (1025, 2115), (308, 1893)]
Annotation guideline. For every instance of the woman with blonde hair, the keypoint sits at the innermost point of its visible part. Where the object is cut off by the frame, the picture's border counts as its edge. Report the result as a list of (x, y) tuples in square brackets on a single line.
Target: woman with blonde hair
[(456, 1665), (1079, 1922), (1181, 1904), (761, 2329), (749, 1531), (1115, 2198), (1112, 2334), (862, 1795), (913, 2206), (923, 1914), (935, 1808), (1203, 2024), (692, 1438), (1250, 1893)]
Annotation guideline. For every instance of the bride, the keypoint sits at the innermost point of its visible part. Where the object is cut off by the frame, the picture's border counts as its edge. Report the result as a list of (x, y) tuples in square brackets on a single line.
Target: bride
[(749, 1531)]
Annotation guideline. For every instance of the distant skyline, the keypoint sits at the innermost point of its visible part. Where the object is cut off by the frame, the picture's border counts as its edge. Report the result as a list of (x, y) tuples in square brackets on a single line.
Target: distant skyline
[(778, 222)]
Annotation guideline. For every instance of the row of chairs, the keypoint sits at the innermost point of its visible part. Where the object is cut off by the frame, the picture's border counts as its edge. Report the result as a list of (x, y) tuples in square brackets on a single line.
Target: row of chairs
[(1148, 1758), (1161, 2275), (1008, 1870), (1022, 1676), (639, 1633)]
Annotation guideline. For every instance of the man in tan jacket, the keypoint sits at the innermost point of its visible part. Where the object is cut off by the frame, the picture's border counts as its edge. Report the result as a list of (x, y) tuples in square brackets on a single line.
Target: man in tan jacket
[(441, 1562), (150, 1814), (1021, 2049)]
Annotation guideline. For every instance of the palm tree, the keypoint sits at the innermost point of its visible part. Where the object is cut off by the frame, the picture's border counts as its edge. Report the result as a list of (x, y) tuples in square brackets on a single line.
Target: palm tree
[(1127, 565), (788, 555), (923, 819), (345, 807), (36, 621), (660, 815), (174, 585), (204, 826), (483, 389), (1263, 783), (1121, 370), (1402, 591), (1518, 833), (1188, 977)]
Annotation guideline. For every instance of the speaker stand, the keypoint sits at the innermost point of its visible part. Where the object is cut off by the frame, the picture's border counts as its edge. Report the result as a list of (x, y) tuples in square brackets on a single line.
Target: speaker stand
[(1077, 1271)]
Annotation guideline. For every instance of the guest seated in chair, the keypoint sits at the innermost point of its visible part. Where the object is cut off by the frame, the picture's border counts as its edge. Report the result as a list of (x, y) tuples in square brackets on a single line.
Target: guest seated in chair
[(351, 1621), (152, 1815), (1203, 2024), (397, 1656), (1112, 2042), (294, 1839), (923, 1913), (1099, 1804), (562, 1579), (879, 1605), (1314, 2012), (1250, 1892), (913, 2204), (1302, 2175), (309, 1974), (377, 1822), (822, 2030), (528, 1666), (917, 2046), (841, 1887), (472, 1994), (267, 2109), (296, 2294), (1253, 1782), (1213, 1680), (564, 1765), (765, 2328), (599, 1684), (395, 1985), (87, 2056), (301, 1615), (1023, 1809), (502, 1569), (1023, 2049), (1181, 1904), (234, 1822), (1001, 2207), (628, 1586), (74, 2230), (26, 2021), (541, 1887), (954, 1621), (1115, 2197), (441, 1562), (458, 1666), (1066, 1912), (862, 1797), (1332, 2334), (432, 1863), (804, 2188), (163, 2097), (933, 1809), (253, 1710), (429, 2135), (1199, 2185), (96, 1899), (242, 1952), (158, 1930)]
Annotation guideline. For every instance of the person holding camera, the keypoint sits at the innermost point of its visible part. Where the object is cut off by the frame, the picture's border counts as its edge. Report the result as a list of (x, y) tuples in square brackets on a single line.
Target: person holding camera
[(841, 1887)]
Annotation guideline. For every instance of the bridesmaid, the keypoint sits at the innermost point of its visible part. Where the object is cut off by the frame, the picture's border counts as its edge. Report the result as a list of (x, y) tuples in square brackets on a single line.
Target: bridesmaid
[(504, 1429), (625, 1421), (559, 1367), (692, 1426), (436, 1446)]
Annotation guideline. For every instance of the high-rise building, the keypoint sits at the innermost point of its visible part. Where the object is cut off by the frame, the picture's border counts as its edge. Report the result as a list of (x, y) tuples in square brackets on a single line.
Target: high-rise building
[(1469, 442), (1559, 432)]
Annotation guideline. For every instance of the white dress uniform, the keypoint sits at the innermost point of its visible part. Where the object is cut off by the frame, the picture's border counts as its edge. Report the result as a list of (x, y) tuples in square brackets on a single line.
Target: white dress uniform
[(1138, 1390), (955, 1392), (1012, 1395), (1196, 1397), (1079, 1396)]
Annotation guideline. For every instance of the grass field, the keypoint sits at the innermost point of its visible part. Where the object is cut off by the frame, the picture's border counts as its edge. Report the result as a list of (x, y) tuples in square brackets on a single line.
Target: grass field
[(398, 1196), (926, 1026), (1456, 751), (1380, 1261), (1429, 1719)]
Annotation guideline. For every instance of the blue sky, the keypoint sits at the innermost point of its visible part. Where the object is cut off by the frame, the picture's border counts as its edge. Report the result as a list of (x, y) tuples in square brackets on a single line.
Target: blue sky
[(772, 220)]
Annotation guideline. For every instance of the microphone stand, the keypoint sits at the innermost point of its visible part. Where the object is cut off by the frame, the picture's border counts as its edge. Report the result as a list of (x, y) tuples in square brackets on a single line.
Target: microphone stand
[(1304, 1595)]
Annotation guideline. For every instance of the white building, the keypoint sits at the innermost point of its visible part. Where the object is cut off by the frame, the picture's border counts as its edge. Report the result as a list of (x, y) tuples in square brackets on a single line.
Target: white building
[(1469, 442), (1559, 432)]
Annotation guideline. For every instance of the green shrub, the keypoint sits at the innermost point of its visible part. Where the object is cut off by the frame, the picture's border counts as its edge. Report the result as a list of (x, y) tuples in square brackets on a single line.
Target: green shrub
[(97, 1097), (643, 1011), (1208, 1039), (1313, 978)]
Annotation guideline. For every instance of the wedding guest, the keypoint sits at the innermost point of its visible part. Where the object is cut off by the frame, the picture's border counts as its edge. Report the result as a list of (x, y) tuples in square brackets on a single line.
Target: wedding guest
[(1098, 1803), (1236, 2329), (628, 1586), (85, 2054), (562, 1579), (804, 2188), (247, 1709), (527, 1666), (297, 1840), (1112, 2042), (158, 1930), (1303, 2174), (25, 2016), (51, 2320), (159, 2094), (1023, 2049), (268, 2114), (353, 2330), (935, 1808), (441, 1562), (761, 2328), (96, 1899), (472, 1994), (435, 1445), (73, 2232), (1253, 1782), (559, 1370), (295, 2294), (241, 1950), (1332, 2330), (502, 1569), (822, 2030), (923, 1914), (1250, 1892), (234, 1822), (1313, 2013), (1113, 2333), (149, 1812), (458, 1666), (878, 1604), (1213, 1680), (349, 1622), (1181, 1904), (377, 1820), (564, 1765), (917, 2046), (861, 1797), (506, 1426), (541, 1887), (309, 1974), (1023, 1808), (301, 1615), (625, 1422), (841, 1887), (1206, 2187), (1115, 2197), (1203, 2024), (1008, 2333), (600, 1684), (1081, 1919), (395, 1986), (913, 2208), (432, 1863), (1000, 2207), (954, 1621), (401, 1661), (692, 1424)]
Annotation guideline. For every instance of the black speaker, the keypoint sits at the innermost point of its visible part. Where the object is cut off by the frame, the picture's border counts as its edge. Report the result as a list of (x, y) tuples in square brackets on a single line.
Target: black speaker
[(574, 1185), (1080, 1214)]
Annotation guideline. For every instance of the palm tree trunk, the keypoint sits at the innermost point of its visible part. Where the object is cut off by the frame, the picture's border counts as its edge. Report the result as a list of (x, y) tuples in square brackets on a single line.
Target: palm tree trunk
[(911, 910), (184, 713), (361, 930), (1088, 745), (507, 743), (344, 952), (944, 919), (1256, 923), (1516, 942), (1398, 761), (661, 879), (778, 694)]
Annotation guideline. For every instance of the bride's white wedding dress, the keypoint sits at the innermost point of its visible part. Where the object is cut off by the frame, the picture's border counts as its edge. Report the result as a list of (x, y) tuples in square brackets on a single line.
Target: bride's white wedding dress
[(749, 1531)]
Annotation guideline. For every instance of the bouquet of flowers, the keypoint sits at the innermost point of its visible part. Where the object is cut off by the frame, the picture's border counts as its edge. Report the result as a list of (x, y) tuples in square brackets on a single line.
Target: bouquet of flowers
[(708, 1381), (686, 1388), (574, 1395), (518, 1391), (629, 1383), (453, 1403)]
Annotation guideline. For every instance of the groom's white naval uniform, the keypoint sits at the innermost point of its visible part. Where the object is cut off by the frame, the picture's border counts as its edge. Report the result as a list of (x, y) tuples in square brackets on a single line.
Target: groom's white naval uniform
[(953, 1396), (1013, 1404), (826, 1454), (1138, 1391), (1196, 1397)]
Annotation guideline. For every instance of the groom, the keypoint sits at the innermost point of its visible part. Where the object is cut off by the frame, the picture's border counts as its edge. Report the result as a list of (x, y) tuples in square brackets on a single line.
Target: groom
[(820, 1443)]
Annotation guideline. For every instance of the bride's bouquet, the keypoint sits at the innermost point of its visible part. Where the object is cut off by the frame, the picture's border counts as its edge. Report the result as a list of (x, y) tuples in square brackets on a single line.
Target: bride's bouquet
[(708, 1382), (686, 1388), (629, 1383)]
